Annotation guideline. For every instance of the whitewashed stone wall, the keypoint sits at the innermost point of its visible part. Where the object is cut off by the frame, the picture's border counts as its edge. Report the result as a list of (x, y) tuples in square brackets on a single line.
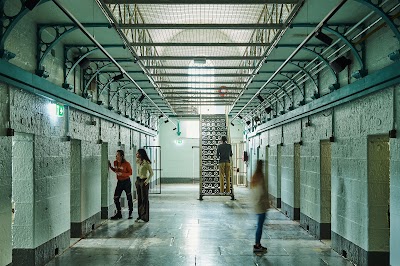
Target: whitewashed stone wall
[(5, 200)]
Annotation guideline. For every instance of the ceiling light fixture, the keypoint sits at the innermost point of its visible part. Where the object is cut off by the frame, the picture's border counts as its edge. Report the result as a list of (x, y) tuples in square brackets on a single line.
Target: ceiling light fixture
[(323, 38), (118, 77), (340, 63), (141, 98), (200, 60), (31, 4), (84, 63)]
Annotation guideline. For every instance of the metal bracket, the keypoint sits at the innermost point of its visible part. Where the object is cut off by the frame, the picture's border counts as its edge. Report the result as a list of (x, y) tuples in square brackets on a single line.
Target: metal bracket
[(44, 47), (95, 69), (395, 56), (383, 15), (302, 69), (362, 72), (280, 87), (60, 31), (74, 54), (293, 83), (320, 57), (341, 37), (8, 24), (123, 87)]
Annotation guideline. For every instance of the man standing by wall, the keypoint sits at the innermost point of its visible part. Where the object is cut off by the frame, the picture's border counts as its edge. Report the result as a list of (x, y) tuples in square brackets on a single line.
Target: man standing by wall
[(224, 152)]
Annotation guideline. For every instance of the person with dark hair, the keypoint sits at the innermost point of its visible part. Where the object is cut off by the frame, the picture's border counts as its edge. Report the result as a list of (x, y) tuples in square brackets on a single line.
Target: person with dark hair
[(123, 170), (224, 152), (142, 185), (260, 203)]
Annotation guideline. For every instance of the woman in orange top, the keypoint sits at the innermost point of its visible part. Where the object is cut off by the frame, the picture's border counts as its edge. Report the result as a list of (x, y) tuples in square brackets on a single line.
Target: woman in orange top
[(123, 170)]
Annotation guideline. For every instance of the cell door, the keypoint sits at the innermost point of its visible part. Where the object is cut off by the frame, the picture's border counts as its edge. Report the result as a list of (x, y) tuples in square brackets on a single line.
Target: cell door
[(154, 153)]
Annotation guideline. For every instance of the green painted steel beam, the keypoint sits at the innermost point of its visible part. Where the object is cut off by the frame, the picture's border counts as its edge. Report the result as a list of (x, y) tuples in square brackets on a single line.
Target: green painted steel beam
[(198, 67), (219, 44), (379, 80), (195, 88), (199, 82), (191, 103), (169, 98), (232, 57), (200, 75), (200, 93), (189, 2), (205, 26), (34, 84), (201, 44)]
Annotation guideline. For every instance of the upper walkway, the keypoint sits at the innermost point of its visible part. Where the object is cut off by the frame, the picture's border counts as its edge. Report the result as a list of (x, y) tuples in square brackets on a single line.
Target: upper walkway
[(186, 231)]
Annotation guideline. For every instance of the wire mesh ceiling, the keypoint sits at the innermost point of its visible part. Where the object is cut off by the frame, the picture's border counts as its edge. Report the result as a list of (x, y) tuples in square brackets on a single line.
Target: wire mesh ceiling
[(185, 38)]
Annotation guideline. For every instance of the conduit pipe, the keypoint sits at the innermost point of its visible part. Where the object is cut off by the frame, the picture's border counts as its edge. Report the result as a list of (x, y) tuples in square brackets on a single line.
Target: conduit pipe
[(299, 81), (101, 48), (317, 28)]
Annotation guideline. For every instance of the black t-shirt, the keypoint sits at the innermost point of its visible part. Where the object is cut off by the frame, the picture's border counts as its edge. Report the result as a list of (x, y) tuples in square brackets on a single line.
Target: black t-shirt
[(224, 151)]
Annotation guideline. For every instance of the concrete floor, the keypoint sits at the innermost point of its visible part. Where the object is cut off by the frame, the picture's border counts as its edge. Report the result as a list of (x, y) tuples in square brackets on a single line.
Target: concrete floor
[(185, 231)]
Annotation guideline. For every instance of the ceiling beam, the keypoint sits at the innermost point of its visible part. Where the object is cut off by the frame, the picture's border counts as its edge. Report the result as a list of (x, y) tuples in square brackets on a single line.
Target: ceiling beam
[(198, 98), (200, 103), (200, 58), (188, 2), (200, 82), (198, 67), (194, 88), (199, 75), (224, 44), (200, 93), (201, 26)]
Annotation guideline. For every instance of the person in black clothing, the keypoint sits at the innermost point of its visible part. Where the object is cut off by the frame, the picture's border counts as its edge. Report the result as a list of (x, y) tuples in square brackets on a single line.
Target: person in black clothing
[(224, 152)]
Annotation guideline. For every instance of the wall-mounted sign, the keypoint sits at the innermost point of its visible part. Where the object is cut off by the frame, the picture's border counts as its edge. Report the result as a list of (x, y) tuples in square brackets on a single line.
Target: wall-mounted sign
[(59, 110)]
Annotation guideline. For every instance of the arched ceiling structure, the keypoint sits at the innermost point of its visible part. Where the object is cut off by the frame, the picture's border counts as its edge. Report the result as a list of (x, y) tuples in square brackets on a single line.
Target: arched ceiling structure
[(250, 57)]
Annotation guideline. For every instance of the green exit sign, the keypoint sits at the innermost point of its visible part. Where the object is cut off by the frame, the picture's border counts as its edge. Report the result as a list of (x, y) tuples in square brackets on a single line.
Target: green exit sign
[(59, 110)]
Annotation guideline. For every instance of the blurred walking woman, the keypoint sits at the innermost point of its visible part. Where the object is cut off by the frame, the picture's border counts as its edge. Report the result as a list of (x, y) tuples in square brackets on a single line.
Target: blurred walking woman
[(142, 185), (260, 203)]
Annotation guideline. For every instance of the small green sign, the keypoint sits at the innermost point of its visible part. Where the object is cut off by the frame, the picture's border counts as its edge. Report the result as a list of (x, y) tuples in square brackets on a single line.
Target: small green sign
[(179, 141), (59, 110)]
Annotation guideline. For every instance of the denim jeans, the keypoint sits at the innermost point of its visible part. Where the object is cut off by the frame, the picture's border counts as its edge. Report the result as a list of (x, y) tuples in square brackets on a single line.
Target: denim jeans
[(260, 224)]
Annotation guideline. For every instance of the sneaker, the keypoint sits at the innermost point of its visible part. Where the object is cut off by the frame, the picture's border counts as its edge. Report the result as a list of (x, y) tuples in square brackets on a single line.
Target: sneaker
[(130, 215), (259, 248), (137, 219), (117, 216), (140, 221)]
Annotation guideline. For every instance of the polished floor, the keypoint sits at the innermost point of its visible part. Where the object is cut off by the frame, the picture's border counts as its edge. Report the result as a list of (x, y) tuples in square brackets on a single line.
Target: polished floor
[(186, 231)]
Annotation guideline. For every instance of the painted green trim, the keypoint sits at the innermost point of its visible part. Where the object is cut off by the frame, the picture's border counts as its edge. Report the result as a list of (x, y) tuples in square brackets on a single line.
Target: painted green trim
[(383, 15), (371, 83), (34, 84)]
